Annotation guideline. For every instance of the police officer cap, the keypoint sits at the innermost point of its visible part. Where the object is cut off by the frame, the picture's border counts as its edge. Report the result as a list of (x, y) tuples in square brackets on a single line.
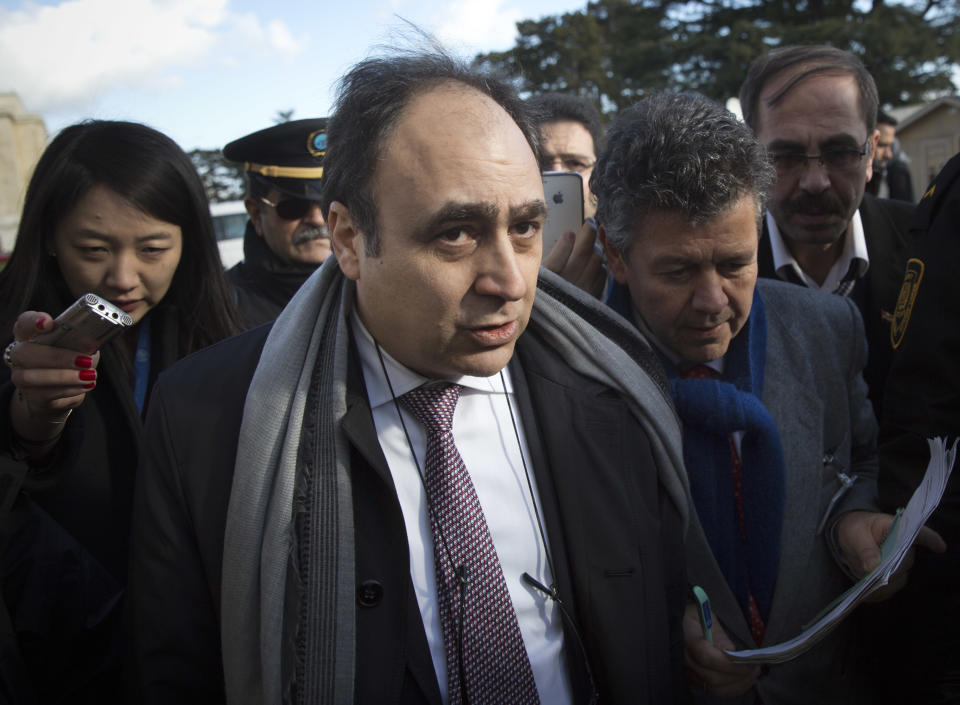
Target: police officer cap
[(288, 156)]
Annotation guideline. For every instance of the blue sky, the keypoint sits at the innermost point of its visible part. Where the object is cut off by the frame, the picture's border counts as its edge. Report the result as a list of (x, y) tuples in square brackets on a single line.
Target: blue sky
[(208, 71)]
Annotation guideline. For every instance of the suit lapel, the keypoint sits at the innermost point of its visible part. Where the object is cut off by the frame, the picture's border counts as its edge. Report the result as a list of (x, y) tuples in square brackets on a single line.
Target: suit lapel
[(790, 401), (703, 571), (533, 431), (358, 421), (361, 433), (765, 254), (885, 229)]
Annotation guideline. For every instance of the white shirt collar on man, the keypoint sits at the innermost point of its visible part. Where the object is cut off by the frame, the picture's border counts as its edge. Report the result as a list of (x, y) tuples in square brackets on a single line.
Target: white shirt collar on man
[(498, 475), (854, 251)]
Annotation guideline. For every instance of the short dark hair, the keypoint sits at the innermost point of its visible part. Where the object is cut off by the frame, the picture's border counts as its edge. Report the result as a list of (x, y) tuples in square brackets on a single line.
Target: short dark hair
[(554, 107), (885, 118), (370, 100), (150, 171), (810, 60), (676, 153)]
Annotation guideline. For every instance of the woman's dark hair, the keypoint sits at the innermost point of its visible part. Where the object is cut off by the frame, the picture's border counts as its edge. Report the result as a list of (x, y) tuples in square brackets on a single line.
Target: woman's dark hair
[(150, 171)]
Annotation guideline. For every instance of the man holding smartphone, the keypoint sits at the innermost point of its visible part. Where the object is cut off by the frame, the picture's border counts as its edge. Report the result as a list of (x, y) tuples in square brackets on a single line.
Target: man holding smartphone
[(571, 135), (286, 237)]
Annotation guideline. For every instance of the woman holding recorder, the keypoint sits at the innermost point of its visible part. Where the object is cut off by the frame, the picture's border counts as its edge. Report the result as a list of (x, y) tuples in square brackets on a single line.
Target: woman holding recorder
[(115, 209)]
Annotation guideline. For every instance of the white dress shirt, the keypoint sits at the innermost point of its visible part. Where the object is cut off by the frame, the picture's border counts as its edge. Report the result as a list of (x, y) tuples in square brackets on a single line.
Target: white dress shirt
[(854, 251), (485, 437)]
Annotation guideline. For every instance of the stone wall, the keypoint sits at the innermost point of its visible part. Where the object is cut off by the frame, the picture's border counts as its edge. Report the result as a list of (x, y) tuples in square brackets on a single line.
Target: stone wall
[(23, 138)]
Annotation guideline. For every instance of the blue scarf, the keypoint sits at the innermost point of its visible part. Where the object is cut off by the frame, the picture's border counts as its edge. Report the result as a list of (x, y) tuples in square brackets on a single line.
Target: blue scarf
[(711, 410)]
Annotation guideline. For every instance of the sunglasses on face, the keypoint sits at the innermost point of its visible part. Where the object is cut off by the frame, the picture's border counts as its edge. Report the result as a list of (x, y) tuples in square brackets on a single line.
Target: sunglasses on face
[(292, 208)]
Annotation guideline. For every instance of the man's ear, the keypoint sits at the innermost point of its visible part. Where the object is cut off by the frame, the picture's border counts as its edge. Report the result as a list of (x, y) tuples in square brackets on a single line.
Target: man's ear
[(614, 259), (346, 239), (253, 210)]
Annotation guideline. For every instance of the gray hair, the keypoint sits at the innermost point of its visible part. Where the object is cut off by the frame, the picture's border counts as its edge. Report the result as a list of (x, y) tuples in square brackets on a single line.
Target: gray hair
[(677, 153)]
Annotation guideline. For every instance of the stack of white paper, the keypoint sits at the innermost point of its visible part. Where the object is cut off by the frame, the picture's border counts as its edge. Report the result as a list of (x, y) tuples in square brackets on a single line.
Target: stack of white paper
[(902, 534)]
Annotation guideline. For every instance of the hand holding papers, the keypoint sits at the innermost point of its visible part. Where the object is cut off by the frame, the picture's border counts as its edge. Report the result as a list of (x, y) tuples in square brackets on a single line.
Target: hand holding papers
[(904, 530)]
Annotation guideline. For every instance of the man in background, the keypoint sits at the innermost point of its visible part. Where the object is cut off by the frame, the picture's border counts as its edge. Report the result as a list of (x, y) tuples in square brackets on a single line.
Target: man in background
[(571, 136), (891, 175), (286, 237), (814, 108)]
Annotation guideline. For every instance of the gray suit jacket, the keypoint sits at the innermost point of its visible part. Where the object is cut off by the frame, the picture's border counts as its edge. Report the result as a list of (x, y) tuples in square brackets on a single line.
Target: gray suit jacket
[(815, 392)]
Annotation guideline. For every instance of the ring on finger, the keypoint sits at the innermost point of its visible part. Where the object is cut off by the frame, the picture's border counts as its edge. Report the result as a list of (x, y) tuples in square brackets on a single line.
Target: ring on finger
[(8, 354)]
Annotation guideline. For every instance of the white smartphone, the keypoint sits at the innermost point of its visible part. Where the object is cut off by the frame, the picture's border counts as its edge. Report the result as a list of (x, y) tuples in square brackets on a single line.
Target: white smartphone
[(564, 193)]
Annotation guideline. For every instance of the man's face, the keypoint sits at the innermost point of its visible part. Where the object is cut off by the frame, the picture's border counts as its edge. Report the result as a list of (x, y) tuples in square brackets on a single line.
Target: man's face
[(692, 284), (459, 212), (885, 143), (566, 145), (303, 239), (813, 205)]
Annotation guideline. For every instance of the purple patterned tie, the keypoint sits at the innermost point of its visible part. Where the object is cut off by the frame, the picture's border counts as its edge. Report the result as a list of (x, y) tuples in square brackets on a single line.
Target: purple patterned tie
[(493, 666)]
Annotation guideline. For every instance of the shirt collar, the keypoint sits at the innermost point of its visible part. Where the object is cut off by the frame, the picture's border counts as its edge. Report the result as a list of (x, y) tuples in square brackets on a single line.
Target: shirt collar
[(854, 251), (402, 378)]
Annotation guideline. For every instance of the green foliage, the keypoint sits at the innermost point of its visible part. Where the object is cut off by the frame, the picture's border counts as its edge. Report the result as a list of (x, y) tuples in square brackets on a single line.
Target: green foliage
[(614, 51), (223, 180)]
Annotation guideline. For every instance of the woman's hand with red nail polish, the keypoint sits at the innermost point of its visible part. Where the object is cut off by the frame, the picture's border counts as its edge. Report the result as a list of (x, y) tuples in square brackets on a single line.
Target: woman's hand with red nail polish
[(50, 381)]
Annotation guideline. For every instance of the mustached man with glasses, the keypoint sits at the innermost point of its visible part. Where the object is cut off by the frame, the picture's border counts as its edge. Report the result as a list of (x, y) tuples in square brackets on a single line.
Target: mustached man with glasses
[(814, 108), (286, 237)]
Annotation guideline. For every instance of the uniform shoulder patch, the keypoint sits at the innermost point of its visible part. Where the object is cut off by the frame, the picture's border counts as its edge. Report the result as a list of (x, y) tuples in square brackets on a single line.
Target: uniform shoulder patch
[(905, 301)]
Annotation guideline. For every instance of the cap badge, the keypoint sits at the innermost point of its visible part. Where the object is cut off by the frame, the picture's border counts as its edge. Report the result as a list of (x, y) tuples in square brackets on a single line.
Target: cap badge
[(317, 143)]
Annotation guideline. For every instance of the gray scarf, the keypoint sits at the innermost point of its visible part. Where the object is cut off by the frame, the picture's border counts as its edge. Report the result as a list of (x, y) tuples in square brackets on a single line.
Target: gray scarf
[(283, 497)]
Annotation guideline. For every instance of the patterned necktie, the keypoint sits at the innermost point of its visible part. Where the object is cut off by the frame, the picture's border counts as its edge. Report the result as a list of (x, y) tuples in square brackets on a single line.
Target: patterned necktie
[(486, 659), (757, 626)]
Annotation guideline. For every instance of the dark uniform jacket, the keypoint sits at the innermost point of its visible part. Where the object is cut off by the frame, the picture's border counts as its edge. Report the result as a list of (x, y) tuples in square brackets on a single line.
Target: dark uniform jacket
[(262, 284), (65, 539), (885, 227), (922, 401), (615, 537)]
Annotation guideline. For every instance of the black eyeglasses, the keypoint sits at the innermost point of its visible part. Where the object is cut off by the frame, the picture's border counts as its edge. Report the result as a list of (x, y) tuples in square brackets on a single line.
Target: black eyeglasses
[(837, 160), (292, 208)]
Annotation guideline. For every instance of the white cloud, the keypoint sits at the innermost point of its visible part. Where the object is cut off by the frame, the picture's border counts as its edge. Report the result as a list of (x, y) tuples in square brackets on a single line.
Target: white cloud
[(65, 55), (479, 25), (275, 37)]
